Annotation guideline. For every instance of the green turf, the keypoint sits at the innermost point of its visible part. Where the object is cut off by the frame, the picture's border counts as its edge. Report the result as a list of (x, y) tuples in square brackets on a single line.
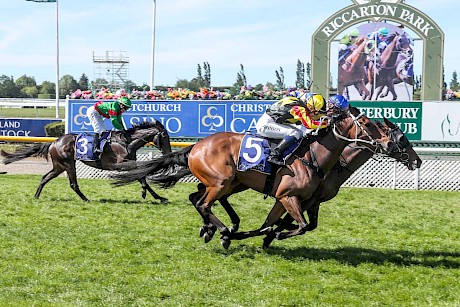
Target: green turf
[(373, 247)]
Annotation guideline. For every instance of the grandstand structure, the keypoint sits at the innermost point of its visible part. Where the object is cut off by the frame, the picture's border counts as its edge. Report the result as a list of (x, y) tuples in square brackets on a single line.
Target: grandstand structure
[(110, 70)]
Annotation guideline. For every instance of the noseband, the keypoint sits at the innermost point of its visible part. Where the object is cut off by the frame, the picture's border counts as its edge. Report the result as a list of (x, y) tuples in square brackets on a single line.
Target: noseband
[(373, 143)]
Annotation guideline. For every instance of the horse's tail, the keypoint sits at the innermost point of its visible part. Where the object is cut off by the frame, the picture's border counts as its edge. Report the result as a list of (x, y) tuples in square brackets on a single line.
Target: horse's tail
[(27, 151), (165, 170)]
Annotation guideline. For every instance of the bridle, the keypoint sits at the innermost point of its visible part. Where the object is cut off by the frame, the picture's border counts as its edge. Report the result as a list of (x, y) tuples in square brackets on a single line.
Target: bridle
[(378, 148)]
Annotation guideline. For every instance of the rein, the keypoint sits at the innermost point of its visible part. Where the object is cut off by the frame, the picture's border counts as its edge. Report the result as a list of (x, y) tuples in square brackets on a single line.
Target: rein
[(357, 140)]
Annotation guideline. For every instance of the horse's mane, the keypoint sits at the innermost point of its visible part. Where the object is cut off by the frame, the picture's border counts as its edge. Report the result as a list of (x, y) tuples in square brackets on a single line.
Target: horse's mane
[(146, 125)]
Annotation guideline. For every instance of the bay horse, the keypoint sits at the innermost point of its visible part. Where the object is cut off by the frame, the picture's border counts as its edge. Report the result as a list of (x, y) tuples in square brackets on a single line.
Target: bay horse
[(352, 158), (352, 71), (122, 146), (385, 69), (213, 161)]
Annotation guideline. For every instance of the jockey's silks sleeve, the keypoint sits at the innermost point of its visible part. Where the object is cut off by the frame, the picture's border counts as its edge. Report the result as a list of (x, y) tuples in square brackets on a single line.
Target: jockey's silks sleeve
[(301, 114), (111, 110)]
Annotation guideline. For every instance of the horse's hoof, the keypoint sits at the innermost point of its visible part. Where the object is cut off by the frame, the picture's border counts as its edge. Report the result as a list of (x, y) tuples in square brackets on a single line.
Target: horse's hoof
[(234, 228), (164, 201), (266, 230), (203, 230), (225, 241), (207, 237), (279, 236), (144, 195)]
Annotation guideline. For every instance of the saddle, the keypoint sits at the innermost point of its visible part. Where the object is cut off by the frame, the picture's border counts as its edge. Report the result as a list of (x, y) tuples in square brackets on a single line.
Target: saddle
[(86, 143)]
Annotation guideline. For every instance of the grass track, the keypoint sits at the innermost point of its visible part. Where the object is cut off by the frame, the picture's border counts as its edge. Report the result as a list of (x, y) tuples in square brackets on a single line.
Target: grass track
[(372, 247)]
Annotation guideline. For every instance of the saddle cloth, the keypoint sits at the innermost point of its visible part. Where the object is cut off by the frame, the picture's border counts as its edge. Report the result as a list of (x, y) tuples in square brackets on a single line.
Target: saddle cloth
[(84, 145), (254, 151)]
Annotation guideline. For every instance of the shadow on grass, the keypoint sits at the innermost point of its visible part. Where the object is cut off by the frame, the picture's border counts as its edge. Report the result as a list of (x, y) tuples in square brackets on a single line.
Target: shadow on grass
[(356, 256)]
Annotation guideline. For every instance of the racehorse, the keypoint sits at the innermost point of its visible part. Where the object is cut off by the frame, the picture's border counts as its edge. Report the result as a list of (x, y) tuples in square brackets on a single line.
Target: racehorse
[(121, 146), (352, 71), (213, 161), (352, 158), (385, 70)]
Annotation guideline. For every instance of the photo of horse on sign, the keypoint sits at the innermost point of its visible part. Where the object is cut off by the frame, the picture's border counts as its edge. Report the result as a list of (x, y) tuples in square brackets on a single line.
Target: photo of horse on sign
[(376, 60)]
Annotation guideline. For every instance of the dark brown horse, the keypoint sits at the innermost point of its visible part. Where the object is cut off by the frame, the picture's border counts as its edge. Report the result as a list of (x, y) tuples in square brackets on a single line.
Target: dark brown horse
[(352, 158), (122, 146), (383, 74), (351, 71), (214, 159)]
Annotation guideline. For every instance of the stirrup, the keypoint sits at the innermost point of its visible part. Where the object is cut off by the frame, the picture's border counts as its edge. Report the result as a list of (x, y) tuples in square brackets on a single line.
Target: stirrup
[(275, 160)]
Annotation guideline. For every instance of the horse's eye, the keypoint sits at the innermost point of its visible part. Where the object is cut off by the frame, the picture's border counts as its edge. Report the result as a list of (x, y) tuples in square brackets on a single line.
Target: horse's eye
[(367, 124)]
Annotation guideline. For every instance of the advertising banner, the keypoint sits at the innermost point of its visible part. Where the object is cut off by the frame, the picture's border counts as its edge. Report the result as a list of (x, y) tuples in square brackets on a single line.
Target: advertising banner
[(442, 121), (24, 126), (407, 115), (182, 118)]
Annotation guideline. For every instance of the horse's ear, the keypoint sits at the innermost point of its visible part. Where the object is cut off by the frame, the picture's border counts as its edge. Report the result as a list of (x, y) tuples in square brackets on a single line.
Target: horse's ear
[(388, 123)]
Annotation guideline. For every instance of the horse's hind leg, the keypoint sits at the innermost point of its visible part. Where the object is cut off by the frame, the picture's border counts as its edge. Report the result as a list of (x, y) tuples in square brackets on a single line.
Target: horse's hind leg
[(231, 213), (46, 178), (146, 187), (204, 205)]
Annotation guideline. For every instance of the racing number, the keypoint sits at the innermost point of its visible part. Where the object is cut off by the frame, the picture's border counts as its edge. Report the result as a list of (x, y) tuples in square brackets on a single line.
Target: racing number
[(82, 147), (255, 143)]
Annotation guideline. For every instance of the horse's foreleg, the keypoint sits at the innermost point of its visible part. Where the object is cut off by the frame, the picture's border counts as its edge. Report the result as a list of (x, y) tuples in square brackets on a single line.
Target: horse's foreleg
[(275, 214), (294, 208), (46, 178), (312, 213), (146, 187)]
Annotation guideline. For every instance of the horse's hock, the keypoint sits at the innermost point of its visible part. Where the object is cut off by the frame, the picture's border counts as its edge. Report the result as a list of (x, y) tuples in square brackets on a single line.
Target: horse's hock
[(438, 171)]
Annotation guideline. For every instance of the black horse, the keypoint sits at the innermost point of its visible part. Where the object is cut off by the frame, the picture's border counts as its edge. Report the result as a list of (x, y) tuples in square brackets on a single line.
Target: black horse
[(121, 146)]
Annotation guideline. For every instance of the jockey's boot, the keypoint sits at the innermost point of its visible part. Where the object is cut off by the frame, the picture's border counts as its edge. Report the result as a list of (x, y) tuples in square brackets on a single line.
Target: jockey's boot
[(275, 154), (96, 150)]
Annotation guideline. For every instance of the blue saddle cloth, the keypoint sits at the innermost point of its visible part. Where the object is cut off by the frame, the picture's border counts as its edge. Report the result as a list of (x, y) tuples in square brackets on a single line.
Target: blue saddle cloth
[(84, 145), (254, 151)]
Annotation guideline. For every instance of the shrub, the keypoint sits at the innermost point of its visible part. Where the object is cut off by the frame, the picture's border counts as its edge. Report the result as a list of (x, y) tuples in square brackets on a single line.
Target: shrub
[(55, 129)]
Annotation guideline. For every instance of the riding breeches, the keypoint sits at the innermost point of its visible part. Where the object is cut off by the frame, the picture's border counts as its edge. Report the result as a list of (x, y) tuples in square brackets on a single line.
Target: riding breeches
[(96, 120), (266, 126)]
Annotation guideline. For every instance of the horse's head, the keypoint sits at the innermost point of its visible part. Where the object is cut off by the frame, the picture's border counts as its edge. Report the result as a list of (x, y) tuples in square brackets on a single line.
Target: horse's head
[(363, 131), (400, 148), (161, 139), (150, 132)]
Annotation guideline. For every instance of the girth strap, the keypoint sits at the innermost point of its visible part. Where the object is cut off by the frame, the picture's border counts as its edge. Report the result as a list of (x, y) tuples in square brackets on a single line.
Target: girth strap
[(317, 169)]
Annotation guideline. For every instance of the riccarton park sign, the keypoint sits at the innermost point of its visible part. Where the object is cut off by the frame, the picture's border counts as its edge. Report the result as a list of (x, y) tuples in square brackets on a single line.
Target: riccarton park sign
[(362, 11)]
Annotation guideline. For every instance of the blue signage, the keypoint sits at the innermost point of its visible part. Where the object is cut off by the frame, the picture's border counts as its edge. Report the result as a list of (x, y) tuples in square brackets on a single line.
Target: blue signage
[(182, 118), (24, 127)]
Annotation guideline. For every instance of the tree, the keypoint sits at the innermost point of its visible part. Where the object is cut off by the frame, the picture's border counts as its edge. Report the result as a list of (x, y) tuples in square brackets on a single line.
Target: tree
[(47, 87), (29, 91), (300, 73), (207, 74), (129, 85), (280, 79), (308, 73), (8, 88), (83, 83), (24, 81), (240, 80), (67, 85), (199, 78), (454, 85)]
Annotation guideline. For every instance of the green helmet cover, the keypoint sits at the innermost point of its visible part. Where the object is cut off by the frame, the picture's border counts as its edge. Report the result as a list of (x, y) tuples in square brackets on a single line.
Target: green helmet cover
[(125, 101)]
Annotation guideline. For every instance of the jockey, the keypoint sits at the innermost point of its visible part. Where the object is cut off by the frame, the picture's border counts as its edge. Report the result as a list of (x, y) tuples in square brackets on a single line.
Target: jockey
[(347, 42), (111, 110), (336, 104), (380, 37), (281, 120)]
